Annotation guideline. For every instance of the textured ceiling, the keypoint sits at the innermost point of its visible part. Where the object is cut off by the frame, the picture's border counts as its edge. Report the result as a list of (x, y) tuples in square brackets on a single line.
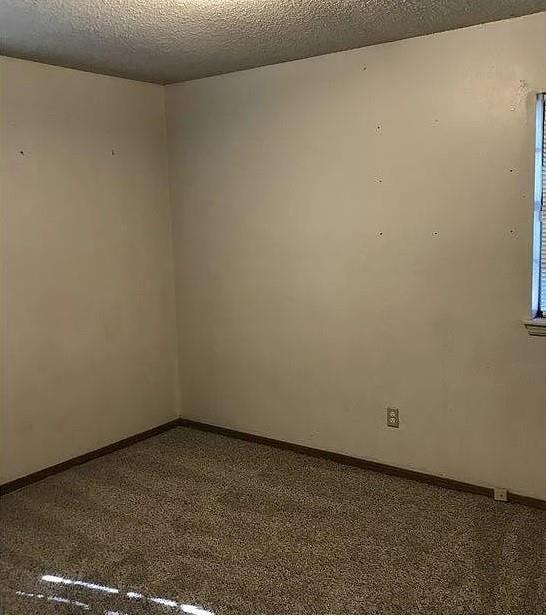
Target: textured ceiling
[(174, 40)]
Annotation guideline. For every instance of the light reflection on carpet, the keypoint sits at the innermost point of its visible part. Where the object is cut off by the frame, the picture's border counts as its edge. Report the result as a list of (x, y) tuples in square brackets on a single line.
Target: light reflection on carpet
[(184, 608)]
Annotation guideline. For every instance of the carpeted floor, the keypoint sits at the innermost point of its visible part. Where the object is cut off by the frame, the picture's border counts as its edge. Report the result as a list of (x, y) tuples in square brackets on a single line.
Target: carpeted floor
[(190, 521)]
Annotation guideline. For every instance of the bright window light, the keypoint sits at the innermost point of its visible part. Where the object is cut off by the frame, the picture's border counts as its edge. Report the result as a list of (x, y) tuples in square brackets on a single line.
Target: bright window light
[(538, 296)]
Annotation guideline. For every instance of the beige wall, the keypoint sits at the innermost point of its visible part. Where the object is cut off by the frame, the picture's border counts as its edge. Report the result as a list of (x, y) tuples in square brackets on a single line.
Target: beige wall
[(352, 232), (87, 294)]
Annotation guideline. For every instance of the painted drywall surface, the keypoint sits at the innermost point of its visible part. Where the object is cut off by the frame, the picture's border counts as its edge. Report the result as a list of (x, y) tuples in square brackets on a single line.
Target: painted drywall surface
[(353, 232), (87, 296)]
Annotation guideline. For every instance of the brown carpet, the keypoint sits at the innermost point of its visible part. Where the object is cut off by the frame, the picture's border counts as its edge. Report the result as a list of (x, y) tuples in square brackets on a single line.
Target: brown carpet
[(189, 520)]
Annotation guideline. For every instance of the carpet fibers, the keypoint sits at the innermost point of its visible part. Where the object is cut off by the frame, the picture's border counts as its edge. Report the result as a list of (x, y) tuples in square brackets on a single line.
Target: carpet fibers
[(190, 521)]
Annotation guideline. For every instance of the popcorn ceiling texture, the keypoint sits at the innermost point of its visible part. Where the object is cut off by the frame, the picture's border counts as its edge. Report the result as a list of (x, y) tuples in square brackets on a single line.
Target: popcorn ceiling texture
[(167, 41)]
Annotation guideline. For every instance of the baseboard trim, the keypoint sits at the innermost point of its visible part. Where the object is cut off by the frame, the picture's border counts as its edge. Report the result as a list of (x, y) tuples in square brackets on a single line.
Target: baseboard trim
[(529, 501), (21, 482), (443, 482)]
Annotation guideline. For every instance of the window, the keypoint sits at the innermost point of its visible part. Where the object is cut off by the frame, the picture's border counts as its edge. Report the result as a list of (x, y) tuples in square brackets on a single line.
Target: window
[(538, 302), (536, 326)]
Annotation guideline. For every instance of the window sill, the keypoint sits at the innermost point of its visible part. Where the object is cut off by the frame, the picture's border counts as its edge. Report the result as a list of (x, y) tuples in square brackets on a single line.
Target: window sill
[(536, 327)]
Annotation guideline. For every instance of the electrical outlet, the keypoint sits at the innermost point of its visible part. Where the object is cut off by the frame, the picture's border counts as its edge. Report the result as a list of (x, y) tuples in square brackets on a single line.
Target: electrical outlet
[(500, 494), (393, 418)]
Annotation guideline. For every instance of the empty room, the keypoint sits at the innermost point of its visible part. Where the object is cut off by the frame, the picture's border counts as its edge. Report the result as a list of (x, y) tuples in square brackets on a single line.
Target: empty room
[(272, 307)]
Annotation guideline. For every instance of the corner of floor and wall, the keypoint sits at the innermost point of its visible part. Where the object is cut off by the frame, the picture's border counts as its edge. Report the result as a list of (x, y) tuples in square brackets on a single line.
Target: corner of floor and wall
[(285, 251)]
